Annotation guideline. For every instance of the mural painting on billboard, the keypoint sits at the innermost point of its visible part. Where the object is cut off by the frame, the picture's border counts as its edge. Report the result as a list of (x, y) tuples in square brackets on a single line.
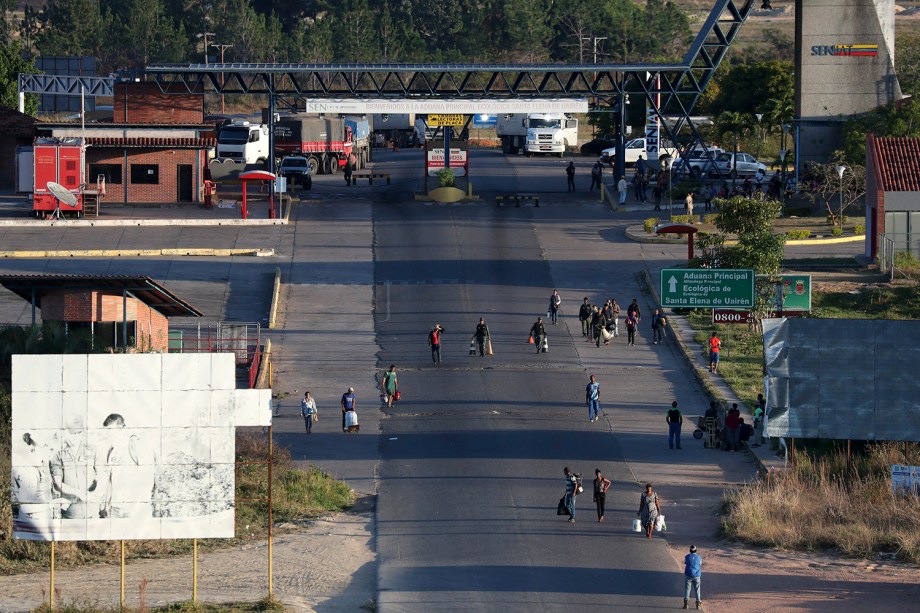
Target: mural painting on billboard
[(137, 446)]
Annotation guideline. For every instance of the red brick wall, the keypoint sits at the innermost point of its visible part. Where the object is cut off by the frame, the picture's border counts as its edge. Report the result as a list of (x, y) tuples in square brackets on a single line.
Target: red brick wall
[(167, 160), (144, 103), (85, 306)]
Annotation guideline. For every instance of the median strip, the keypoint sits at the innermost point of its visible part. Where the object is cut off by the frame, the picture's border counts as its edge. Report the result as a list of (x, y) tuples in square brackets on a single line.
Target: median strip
[(136, 253)]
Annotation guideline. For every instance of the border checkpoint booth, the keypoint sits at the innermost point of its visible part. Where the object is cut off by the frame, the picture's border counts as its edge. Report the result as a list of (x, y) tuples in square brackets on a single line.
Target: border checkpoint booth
[(259, 175)]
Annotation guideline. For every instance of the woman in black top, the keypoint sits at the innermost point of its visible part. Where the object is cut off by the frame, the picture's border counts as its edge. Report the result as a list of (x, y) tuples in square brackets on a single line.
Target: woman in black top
[(601, 485)]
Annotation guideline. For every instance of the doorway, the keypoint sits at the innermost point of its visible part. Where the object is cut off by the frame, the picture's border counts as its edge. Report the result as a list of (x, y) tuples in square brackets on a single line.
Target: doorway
[(184, 183)]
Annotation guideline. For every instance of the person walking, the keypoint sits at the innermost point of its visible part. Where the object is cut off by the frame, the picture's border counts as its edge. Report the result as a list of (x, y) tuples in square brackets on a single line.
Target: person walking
[(597, 175), (434, 341), (674, 420), (570, 176), (584, 316), (538, 332), (308, 411), (389, 385), (693, 575), (760, 414), (482, 335), (348, 170), (616, 316), (689, 202), (621, 189), (633, 309), (600, 326), (571, 491), (715, 347), (658, 323), (349, 403), (632, 324), (554, 302), (593, 398), (649, 509), (601, 485)]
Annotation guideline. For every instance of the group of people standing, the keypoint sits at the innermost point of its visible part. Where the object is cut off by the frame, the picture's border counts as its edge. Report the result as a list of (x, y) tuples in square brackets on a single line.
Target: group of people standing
[(601, 324)]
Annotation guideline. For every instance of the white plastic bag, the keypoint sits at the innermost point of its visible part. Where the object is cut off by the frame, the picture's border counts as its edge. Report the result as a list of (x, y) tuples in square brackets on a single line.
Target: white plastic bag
[(637, 525), (660, 525)]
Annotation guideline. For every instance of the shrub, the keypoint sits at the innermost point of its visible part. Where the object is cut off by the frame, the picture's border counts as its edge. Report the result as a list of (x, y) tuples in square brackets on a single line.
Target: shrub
[(798, 234), (650, 224), (837, 232), (859, 229), (684, 218), (710, 218), (446, 177), (905, 259)]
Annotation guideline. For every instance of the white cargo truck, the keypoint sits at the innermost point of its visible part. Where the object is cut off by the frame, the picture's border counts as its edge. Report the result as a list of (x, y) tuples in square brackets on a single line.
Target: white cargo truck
[(547, 133), (243, 142)]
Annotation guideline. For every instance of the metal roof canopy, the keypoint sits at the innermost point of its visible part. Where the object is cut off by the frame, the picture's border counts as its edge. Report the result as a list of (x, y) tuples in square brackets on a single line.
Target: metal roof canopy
[(32, 287), (465, 106), (679, 85)]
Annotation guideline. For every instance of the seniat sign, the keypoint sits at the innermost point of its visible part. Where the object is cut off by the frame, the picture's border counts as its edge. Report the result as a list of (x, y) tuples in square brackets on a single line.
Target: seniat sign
[(459, 162), (845, 50)]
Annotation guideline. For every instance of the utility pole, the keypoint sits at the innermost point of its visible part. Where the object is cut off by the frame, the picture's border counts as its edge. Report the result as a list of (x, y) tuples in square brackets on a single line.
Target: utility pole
[(222, 48), (205, 36), (595, 39)]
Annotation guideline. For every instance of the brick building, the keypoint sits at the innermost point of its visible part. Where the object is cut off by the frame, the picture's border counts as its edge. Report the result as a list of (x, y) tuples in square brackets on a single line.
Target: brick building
[(155, 149), (892, 194), (117, 311)]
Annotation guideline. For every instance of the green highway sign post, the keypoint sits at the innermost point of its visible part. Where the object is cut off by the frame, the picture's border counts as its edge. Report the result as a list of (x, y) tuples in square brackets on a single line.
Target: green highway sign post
[(795, 292), (707, 288)]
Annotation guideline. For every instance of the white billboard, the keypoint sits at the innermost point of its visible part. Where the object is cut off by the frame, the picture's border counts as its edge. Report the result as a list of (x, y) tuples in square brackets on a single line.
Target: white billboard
[(127, 446)]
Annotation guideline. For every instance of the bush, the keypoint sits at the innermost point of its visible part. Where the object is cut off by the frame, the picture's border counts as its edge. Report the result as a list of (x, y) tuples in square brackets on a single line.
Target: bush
[(837, 232), (710, 218), (798, 234), (859, 229), (685, 218), (650, 224), (905, 260)]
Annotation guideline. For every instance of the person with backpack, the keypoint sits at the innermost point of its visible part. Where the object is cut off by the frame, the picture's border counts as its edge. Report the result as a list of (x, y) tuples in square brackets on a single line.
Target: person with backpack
[(571, 491), (554, 303), (584, 316), (597, 175), (674, 420), (390, 385), (538, 333), (658, 323), (308, 411), (632, 324), (434, 341)]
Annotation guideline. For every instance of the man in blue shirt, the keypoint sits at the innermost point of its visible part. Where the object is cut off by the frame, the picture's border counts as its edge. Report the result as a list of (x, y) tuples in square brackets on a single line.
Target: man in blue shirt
[(692, 575), (593, 398), (349, 403)]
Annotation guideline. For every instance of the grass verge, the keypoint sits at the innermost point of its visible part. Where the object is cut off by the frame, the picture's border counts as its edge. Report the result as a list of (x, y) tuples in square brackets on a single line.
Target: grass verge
[(824, 504), (265, 605)]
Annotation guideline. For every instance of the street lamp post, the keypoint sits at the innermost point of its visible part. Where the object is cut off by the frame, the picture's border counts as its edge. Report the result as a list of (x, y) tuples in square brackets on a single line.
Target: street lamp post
[(222, 48), (759, 116), (785, 152), (840, 169)]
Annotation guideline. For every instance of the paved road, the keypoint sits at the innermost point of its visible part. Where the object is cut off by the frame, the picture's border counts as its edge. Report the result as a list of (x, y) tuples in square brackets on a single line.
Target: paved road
[(468, 468)]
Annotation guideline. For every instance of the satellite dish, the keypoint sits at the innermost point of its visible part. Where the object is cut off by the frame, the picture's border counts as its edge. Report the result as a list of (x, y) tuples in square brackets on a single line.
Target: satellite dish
[(62, 193)]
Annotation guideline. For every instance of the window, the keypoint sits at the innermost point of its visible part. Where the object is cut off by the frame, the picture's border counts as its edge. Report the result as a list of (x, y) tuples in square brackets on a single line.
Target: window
[(145, 173), (111, 172)]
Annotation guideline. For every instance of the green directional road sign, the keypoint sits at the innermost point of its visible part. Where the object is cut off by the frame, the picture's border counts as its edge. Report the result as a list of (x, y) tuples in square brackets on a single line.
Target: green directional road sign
[(707, 288)]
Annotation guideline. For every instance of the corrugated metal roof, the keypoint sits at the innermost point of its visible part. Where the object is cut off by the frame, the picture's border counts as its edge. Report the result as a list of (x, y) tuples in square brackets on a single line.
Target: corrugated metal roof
[(897, 163), (143, 288), (150, 142)]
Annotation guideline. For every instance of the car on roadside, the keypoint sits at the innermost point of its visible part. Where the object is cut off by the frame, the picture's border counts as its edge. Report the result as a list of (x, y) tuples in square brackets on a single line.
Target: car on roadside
[(634, 148), (596, 146), (694, 161), (737, 165), (296, 169)]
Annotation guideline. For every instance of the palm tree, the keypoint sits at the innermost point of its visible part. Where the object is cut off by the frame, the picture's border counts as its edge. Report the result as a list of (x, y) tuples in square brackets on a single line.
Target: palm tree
[(736, 126)]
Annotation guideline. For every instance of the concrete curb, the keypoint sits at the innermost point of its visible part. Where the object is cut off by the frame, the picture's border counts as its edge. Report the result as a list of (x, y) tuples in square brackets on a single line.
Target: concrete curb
[(135, 253), (86, 223), (276, 293), (856, 238), (264, 366), (638, 234)]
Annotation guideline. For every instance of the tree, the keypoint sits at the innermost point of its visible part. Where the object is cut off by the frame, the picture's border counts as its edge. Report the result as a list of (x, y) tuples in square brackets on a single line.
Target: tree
[(735, 126), (758, 247), (73, 27), (11, 64), (898, 119), (907, 54), (752, 88), (822, 183)]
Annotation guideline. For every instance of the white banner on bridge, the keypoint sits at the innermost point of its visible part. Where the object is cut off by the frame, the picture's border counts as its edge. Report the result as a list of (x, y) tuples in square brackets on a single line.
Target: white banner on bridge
[(449, 105)]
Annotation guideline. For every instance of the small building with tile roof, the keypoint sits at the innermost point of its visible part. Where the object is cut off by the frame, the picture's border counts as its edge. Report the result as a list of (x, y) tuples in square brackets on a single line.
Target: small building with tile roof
[(892, 193)]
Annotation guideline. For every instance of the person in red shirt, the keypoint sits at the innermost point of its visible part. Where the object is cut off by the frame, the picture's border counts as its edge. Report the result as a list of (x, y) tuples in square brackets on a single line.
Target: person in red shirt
[(732, 427), (715, 346)]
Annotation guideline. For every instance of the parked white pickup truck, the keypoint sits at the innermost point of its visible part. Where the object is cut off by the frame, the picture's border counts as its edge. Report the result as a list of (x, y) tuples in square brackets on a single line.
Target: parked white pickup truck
[(634, 148)]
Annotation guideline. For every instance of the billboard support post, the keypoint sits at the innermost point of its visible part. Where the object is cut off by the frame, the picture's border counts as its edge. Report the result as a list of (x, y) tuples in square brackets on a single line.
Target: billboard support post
[(51, 591), (270, 520), (122, 576), (194, 570)]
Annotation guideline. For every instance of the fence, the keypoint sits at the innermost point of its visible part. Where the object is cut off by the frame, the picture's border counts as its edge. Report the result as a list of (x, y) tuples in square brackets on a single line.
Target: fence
[(244, 340), (890, 245)]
